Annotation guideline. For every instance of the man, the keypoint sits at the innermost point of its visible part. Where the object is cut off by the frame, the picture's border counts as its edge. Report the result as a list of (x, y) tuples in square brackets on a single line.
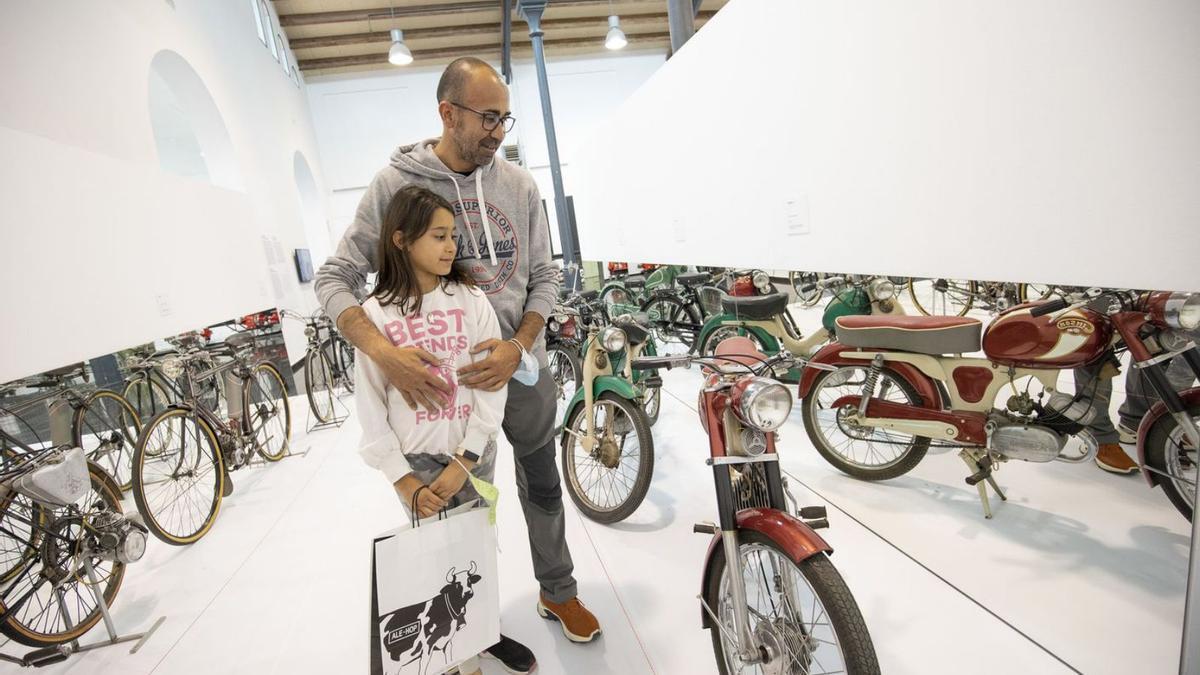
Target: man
[(503, 240), (1139, 396)]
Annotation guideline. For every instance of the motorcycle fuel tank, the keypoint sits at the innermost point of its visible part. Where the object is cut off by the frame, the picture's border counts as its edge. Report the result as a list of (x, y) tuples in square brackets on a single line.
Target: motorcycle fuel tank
[(1070, 340)]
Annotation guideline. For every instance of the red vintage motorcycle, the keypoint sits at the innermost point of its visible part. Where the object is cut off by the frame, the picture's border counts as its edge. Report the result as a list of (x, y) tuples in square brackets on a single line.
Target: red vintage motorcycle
[(901, 384), (782, 607)]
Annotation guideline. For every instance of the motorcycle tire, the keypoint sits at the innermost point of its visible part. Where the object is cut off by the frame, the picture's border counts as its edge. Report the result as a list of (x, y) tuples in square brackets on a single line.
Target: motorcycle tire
[(823, 579), (640, 427), (900, 466), (1159, 443)]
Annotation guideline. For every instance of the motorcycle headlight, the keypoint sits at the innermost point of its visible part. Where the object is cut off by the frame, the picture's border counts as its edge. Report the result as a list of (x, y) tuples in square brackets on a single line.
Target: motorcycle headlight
[(172, 368), (1182, 311), (761, 403), (762, 281), (613, 339), (133, 547), (883, 289), (553, 326), (309, 331)]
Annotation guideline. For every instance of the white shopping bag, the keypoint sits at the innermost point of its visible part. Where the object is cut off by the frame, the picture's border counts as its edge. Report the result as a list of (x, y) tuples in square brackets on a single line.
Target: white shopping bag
[(435, 596)]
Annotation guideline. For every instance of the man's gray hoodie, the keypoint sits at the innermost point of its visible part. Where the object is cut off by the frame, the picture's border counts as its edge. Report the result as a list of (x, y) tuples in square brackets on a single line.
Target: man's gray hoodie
[(509, 259)]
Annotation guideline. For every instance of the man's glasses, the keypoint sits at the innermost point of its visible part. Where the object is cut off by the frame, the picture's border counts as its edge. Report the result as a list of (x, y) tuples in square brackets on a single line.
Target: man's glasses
[(491, 120)]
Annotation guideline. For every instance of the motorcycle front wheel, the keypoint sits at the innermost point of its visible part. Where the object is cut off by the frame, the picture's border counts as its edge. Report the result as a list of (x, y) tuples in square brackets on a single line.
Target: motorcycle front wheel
[(1168, 451), (802, 615), (608, 482)]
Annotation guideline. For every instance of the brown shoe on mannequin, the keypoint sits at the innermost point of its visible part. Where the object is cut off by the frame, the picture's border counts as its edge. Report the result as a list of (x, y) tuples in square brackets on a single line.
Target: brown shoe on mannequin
[(1113, 459)]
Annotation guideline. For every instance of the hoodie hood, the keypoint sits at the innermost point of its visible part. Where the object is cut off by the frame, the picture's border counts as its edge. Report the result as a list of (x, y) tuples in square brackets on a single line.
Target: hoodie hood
[(419, 159)]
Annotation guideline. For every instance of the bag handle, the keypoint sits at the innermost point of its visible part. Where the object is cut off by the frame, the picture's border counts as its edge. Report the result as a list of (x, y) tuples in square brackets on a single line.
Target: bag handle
[(416, 520)]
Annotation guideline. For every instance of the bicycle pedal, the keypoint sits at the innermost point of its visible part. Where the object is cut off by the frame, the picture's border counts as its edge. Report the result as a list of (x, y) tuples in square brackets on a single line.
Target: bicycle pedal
[(817, 523), (704, 528)]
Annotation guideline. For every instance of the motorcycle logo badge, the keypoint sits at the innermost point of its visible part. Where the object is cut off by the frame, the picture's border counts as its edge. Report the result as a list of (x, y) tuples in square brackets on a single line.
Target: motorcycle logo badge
[(489, 279), (1073, 326)]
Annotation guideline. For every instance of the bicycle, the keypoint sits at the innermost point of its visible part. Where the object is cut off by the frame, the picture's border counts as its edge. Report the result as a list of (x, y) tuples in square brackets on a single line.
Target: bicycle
[(328, 363), (184, 455), (64, 545), (100, 421)]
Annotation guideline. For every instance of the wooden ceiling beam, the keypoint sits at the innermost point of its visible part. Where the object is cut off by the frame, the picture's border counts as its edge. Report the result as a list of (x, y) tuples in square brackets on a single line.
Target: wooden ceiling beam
[(381, 58), (343, 16), (627, 21)]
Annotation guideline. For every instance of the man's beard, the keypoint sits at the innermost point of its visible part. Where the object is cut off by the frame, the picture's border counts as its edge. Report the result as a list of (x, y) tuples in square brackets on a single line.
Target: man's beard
[(477, 153)]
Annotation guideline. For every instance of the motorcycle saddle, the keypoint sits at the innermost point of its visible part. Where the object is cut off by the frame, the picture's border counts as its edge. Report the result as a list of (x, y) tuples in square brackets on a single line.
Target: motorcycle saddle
[(919, 334), (692, 279), (635, 281), (755, 307)]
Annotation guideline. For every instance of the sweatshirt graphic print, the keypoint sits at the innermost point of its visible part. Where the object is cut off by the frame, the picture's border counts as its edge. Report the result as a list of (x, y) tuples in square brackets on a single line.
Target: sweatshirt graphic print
[(451, 322)]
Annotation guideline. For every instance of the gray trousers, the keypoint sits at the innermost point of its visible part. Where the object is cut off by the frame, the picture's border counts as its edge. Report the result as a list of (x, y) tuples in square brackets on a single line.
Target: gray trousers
[(529, 426), (1139, 396)]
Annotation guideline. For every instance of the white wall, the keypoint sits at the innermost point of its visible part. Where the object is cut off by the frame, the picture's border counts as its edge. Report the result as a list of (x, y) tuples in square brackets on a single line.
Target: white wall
[(1024, 140), (101, 248), (361, 119)]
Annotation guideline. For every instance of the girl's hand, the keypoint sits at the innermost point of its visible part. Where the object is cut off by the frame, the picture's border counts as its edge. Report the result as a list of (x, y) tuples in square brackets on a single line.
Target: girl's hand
[(449, 481), (428, 501)]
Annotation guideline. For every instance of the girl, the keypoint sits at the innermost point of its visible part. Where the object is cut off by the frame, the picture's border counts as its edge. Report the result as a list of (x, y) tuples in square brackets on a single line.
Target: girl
[(422, 300)]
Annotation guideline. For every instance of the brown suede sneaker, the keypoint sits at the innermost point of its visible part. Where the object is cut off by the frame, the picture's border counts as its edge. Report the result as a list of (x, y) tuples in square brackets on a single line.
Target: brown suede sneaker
[(578, 624), (1112, 458)]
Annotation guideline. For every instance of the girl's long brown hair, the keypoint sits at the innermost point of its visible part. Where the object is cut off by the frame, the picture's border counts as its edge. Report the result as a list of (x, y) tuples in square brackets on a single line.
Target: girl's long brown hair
[(409, 212)]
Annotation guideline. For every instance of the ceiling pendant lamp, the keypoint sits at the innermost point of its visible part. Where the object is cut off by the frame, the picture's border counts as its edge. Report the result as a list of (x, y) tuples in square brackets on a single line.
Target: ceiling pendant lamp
[(399, 54), (616, 36)]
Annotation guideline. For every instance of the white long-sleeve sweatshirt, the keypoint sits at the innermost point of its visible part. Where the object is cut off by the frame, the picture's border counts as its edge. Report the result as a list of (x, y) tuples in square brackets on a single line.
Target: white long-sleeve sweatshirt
[(451, 322)]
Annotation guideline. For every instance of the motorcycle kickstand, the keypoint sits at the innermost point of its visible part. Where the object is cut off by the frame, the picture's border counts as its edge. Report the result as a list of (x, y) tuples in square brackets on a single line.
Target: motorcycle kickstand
[(981, 477)]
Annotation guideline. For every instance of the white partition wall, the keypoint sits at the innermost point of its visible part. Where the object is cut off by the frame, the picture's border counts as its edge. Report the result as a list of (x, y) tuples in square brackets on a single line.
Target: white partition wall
[(159, 168), (1025, 141)]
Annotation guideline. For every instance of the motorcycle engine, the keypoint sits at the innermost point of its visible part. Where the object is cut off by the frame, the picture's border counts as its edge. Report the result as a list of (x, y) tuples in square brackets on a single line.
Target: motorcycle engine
[(1066, 414), (117, 538), (1026, 442)]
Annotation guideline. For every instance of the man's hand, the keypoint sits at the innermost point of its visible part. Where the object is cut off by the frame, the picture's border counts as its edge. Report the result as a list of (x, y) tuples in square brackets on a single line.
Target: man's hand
[(405, 370), (428, 502), (493, 372), (449, 481)]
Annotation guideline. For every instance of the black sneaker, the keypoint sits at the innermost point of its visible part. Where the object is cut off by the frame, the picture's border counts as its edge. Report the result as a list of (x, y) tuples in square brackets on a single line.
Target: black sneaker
[(514, 656)]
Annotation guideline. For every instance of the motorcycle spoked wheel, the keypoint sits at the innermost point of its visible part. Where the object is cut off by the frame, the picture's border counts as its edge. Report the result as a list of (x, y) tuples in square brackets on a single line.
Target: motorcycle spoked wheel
[(828, 433), (831, 637), (1168, 451), (609, 482)]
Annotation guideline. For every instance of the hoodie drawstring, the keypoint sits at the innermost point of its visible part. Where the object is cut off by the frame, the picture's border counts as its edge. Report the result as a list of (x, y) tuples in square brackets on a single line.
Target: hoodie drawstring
[(487, 231), (463, 208)]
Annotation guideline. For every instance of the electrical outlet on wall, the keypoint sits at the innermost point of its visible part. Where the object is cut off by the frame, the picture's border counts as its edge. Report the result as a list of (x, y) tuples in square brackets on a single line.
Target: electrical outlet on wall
[(164, 305), (795, 214)]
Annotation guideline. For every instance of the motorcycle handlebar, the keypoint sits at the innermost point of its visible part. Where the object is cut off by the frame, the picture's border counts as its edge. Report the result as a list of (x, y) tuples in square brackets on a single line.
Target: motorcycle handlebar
[(1049, 307)]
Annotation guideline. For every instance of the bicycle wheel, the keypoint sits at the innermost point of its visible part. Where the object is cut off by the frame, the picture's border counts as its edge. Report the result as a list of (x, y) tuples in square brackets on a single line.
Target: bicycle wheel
[(869, 453), (107, 428), (671, 320), (53, 599), (943, 297), (147, 396), (567, 372), (318, 385), (802, 615), (21, 520), (267, 411), (609, 482), (345, 363), (1035, 292), (178, 486), (807, 286)]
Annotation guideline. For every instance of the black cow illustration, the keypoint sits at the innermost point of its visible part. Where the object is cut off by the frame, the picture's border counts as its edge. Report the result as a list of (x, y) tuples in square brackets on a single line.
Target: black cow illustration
[(415, 632)]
